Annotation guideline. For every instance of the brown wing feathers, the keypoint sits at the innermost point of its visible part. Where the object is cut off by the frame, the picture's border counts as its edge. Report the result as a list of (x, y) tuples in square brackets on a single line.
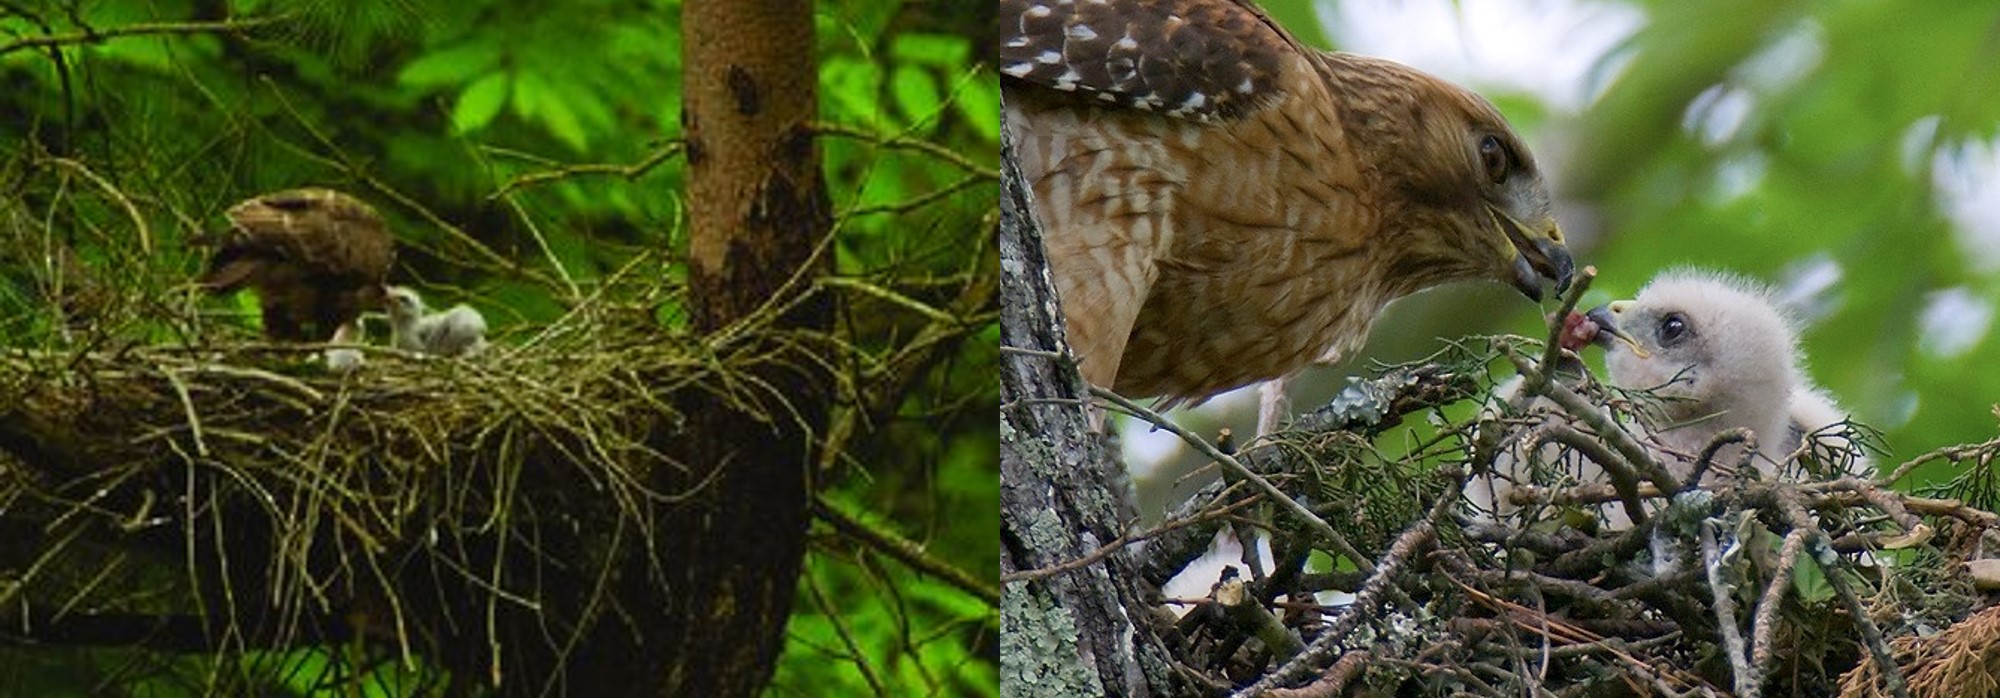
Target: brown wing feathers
[(1196, 59), (316, 257)]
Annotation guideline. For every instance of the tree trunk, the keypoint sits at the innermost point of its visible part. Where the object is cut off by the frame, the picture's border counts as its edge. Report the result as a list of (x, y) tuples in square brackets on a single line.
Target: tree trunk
[(1082, 632), (709, 619)]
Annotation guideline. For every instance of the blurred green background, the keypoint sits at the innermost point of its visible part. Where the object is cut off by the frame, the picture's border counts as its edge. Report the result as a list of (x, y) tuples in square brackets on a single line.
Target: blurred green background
[(430, 110), (1844, 152)]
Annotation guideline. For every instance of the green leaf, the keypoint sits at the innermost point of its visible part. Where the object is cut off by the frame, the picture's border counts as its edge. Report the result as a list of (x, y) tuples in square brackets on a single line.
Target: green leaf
[(145, 52), (1810, 582), (978, 100), (943, 50), (916, 93), (552, 105), (450, 66), (478, 104), (850, 88)]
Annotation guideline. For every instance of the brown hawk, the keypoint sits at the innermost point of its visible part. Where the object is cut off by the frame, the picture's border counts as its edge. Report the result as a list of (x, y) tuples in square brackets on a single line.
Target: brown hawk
[(316, 257), (1222, 205)]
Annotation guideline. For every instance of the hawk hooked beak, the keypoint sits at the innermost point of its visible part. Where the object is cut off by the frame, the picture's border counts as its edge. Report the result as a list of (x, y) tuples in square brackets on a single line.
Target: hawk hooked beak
[(1538, 254), (1607, 326)]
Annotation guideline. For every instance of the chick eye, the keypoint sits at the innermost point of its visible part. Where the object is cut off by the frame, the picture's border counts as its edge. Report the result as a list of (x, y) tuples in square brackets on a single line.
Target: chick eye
[(1494, 156), (1673, 328)]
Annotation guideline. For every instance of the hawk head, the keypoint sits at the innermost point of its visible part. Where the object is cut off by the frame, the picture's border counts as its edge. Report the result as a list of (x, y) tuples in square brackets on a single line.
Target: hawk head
[(1477, 185)]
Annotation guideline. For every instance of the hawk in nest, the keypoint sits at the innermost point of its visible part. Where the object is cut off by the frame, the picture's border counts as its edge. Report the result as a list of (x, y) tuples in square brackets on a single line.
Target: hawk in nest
[(1222, 205), (316, 257)]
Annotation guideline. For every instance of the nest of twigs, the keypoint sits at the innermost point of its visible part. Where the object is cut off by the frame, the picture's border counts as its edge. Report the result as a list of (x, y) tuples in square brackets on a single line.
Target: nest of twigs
[(231, 494), (1735, 585)]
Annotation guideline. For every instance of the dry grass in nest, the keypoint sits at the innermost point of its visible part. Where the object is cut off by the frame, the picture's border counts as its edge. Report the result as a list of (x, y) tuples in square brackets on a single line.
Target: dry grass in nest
[(541, 458), (1962, 661)]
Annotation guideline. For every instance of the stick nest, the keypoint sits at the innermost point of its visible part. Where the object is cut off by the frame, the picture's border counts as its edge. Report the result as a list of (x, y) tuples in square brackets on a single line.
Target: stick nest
[(408, 503), (1807, 585)]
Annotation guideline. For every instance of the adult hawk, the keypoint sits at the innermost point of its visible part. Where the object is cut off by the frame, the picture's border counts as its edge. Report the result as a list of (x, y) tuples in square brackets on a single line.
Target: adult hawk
[(1222, 205), (316, 257)]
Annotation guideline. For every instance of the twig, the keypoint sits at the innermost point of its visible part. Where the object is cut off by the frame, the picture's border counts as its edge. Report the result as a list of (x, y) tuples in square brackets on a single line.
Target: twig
[(904, 550), (187, 405), (1595, 418), (1553, 350), (1738, 435), (1128, 539), (1312, 521), (1365, 602), (1329, 684), (131, 211), (1766, 625), (1951, 453), (1852, 491), (93, 36), (907, 143), (1624, 479), (1252, 617), (1722, 589), (628, 171), (1830, 562)]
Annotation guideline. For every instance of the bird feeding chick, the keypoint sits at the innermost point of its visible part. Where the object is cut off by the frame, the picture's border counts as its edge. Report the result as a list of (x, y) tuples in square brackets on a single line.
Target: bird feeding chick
[(460, 331), (1721, 354), (1222, 205)]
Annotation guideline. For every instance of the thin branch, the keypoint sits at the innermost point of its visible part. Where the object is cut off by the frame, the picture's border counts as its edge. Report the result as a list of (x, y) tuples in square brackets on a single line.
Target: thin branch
[(1251, 617), (1830, 562), (1766, 625), (1365, 602), (902, 549), (634, 170), (1594, 417), (907, 143), (1107, 549), (1291, 506), (1553, 349), (1722, 589), (95, 36), (1950, 453), (1331, 683)]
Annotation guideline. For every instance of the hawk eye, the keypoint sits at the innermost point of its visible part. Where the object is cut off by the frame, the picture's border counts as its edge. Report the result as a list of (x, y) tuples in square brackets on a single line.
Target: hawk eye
[(1673, 328), (1494, 156)]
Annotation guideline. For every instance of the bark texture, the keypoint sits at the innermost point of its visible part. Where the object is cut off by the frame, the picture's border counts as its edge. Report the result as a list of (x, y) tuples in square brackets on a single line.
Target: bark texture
[(709, 618), (1083, 632)]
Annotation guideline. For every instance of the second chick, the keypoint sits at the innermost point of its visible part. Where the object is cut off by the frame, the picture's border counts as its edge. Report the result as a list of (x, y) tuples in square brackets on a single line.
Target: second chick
[(459, 331)]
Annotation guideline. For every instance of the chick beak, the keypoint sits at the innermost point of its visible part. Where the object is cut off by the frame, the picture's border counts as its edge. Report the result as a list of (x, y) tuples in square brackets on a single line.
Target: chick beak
[(1607, 330), (1538, 255)]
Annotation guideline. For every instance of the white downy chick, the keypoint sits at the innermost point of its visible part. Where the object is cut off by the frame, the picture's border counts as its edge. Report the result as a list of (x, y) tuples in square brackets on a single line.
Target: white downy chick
[(1724, 355), (460, 331), (341, 360)]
